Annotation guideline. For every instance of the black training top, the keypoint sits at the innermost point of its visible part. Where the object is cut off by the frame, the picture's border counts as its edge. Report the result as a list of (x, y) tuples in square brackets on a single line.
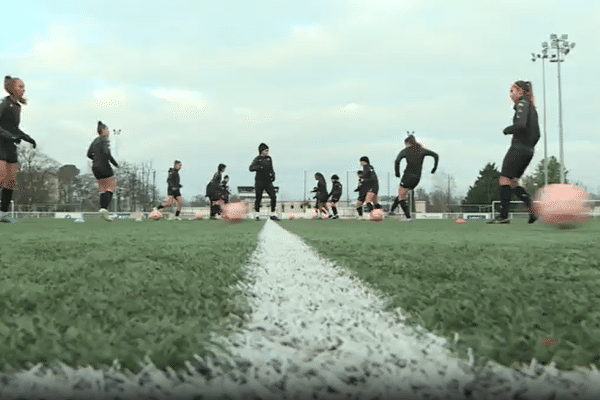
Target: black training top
[(360, 188), (173, 179), (370, 179), (263, 166), (99, 151), (336, 190), (10, 117), (216, 180), (321, 189), (525, 128), (414, 160)]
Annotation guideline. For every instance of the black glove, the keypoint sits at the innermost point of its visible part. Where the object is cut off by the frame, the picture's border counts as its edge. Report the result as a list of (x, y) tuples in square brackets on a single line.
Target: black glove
[(28, 139), (397, 175), (180, 186), (433, 171)]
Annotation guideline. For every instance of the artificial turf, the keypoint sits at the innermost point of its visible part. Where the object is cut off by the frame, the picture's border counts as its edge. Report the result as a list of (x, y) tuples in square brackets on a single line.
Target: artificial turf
[(512, 292), (90, 293)]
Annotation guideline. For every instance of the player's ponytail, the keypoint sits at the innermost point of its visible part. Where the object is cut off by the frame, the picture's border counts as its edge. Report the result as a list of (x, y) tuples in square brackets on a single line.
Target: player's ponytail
[(100, 128), (412, 141), (527, 90), (9, 86)]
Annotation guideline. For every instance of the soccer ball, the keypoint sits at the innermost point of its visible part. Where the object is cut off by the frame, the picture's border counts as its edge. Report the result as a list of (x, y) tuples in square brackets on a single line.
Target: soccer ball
[(460, 221), (562, 205), (198, 215), (376, 215), (291, 216), (234, 212), (155, 215)]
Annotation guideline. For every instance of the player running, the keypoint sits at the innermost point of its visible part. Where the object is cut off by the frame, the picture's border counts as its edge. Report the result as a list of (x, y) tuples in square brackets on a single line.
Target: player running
[(414, 153), (321, 195), (362, 194), (173, 189), (335, 195), (99, 152), (225, 192), (214, 193), (526, 133), (263, 180), (10, 136), (370, 183)]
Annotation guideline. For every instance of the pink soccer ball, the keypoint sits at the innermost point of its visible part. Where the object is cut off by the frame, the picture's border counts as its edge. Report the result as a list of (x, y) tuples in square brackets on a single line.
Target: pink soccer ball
[(376, 215), (562, 205), (199, 215), (155, 215), (291, 216), (234, 212)]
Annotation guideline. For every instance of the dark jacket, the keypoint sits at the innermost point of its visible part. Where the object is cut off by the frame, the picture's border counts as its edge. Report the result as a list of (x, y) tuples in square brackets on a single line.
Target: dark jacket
[(225, 193), (99, 152), (10, 117), (360, 188), (263, 166), (525, 128), (336, 190), (173, 179), (414, 160), (370, 179), (320, 190)]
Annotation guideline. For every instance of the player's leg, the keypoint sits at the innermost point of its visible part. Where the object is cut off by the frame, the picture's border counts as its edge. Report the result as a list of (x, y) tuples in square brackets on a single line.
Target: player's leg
[(402, 192), (8, 173), (179, 206), (370, 200), (258, 189), (273, 196), (359, 206)]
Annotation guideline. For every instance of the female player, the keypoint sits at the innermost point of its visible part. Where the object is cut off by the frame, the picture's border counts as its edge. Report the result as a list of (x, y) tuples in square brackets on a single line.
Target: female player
[(334, 196), (362, 193), (321, 195), (214, 193), (526, 133), (414, 153), (99, 152), (10, 136), (371, 184), (263, 180), (173, 189), (225, 192)]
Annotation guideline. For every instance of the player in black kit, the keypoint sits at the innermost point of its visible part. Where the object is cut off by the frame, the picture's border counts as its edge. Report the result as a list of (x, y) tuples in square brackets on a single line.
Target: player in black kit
[(414, 153), (526, 133), (370, 183), (225, 192), (10, 136), (321, 195), (265, 176), (362, 194), (335, 195), (99, 152), (214, 193), (173, 189)]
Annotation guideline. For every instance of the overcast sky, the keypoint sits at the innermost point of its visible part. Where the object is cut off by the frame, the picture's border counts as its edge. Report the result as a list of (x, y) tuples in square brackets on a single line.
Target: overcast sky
[(321, 82)]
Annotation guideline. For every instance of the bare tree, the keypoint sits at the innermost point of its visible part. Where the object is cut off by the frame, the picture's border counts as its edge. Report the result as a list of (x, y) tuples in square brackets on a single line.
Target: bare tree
[(37, 180)]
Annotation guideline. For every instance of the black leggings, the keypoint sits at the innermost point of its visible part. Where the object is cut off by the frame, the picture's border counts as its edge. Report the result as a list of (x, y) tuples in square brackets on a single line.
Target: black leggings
[(259, 187)]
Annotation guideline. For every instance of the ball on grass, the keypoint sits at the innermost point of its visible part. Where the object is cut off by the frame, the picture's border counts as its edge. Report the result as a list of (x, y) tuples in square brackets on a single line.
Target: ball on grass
[(291, 216), (460, 221), (562, 205), (234, 212), (155, 215), (376, 215), (198, 215)]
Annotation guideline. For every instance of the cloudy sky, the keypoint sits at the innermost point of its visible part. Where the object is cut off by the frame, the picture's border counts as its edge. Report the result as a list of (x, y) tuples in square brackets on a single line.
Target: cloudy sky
[(321, 82)]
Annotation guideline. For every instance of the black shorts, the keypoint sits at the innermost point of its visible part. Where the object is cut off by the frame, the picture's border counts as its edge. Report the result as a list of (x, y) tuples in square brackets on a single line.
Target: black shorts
[(8, 151), (322, 198), (515, 162), (102, 172), (174, 193), (374, 189), (409, 181), (362, 197), (334, 199)]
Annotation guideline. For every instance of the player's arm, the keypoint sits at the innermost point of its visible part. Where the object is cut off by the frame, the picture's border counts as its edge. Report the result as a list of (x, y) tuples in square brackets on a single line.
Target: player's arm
[(399, 158), (255, 166), (90, 152), (520, 119), (435, 157), (272, 172), (106, 149)]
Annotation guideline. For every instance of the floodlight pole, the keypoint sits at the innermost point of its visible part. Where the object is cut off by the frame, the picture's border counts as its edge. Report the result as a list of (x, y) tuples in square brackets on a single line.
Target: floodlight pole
[(562, 46), (116, 133), (543, 57)]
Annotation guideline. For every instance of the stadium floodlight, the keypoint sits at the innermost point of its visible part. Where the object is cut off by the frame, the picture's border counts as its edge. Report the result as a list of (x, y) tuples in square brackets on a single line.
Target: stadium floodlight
[(562, 46), (543, 57)]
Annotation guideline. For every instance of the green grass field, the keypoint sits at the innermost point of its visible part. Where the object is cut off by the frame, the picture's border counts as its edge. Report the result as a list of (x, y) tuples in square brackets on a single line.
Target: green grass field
[(511, 292), (89, 293)]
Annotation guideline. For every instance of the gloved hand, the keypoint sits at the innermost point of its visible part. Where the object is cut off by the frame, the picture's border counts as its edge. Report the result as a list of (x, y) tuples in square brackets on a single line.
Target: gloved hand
[(433, 171), (28, 139)]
